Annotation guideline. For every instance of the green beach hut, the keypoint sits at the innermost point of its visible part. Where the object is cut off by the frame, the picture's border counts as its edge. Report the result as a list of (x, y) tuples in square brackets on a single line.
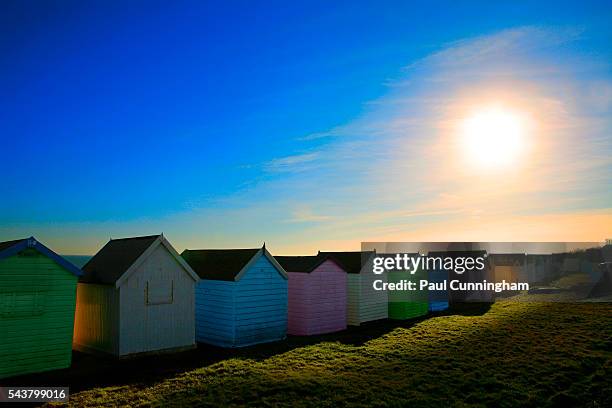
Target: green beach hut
[(37, 303), (407, 304)]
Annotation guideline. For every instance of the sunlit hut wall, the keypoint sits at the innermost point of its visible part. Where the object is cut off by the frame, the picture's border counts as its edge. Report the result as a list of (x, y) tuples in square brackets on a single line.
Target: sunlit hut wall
[(242, 297), (136, 296), (37, 302), (507, 267), (317, 294), (406, 304), (364, 303)]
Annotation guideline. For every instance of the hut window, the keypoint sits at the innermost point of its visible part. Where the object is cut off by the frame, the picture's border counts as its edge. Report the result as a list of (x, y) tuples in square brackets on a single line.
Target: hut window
[(22, 304), (160, 292)]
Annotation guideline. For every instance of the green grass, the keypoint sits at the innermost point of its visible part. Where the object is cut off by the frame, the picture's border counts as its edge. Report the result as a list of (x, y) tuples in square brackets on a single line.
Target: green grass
[(515, 354)]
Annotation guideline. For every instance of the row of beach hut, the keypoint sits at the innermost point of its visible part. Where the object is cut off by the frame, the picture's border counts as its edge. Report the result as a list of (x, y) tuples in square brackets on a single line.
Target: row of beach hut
[(138, 295)]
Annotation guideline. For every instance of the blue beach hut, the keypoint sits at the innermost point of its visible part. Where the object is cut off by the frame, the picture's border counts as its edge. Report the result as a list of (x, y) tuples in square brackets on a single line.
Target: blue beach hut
[(242, 297), (438, 299)]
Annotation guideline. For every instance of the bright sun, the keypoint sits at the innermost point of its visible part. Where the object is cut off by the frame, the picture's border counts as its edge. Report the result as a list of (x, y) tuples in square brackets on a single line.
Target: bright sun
[(493, 137)]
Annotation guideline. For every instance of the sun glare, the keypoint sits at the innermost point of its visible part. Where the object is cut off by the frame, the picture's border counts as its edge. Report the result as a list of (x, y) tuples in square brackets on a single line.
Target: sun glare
[(493, 137)]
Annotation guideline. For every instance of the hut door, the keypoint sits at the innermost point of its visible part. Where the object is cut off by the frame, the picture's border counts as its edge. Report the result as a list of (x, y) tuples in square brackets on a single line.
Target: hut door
[(159, 300)]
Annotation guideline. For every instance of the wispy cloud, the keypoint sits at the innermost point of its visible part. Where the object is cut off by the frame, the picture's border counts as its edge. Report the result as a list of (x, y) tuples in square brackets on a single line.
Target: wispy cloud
[(297, 162), (397, 167), (396, 172)]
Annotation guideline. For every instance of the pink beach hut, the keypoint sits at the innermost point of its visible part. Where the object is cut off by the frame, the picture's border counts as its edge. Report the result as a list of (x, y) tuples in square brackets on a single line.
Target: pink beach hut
[(317, 294)]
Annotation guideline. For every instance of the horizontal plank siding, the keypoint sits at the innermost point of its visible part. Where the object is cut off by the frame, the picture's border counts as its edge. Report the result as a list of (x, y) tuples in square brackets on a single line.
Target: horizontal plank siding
[(149, 324), (96, 325), (317, 300), (538, 269), (298, 301), (407, 304), (215, 313), (37, 304), (438, 299), (353, 296), (373, 304), (261, 305)]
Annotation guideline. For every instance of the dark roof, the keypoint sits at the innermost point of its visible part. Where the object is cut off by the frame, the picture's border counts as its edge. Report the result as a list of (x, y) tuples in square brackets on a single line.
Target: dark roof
[(7, 244), (304, 264), (350, 261), (10, 248), (115, 258), (218, 264)]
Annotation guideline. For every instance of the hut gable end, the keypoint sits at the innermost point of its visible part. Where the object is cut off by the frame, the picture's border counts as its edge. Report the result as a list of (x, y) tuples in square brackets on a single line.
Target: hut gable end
[(138, 298), (37, 304), (242, 296), (119, 258)]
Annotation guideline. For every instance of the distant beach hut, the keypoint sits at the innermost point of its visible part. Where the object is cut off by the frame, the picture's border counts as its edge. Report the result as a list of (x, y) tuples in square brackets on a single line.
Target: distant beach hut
[(37, 301), (606, 253), (439, 298), (470, 275), (538, 268), (317, 294), (242, 297), (364, 303), (571, 265), (136, 296), (603, 286), (507, 267), (407, 304)]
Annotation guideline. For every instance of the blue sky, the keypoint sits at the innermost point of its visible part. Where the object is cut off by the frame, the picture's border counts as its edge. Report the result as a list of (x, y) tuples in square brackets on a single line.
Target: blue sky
[(307, 125)]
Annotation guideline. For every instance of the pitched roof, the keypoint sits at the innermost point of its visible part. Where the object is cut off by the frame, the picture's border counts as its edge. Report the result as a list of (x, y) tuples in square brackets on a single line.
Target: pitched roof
[(350, 261), (305, 264), (218, 264), (115, 258), (7, 244), (10, 248)]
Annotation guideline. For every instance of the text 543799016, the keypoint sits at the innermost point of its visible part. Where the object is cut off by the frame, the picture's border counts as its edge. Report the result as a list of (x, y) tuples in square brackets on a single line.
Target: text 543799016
[(34, 394)]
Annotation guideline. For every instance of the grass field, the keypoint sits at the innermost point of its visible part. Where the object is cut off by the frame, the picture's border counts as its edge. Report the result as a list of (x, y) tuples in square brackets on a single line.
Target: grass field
[(511, 354)]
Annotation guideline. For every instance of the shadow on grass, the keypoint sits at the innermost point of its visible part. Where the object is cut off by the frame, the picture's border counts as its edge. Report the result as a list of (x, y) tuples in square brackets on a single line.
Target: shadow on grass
[(523, 354), (93, 371)]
